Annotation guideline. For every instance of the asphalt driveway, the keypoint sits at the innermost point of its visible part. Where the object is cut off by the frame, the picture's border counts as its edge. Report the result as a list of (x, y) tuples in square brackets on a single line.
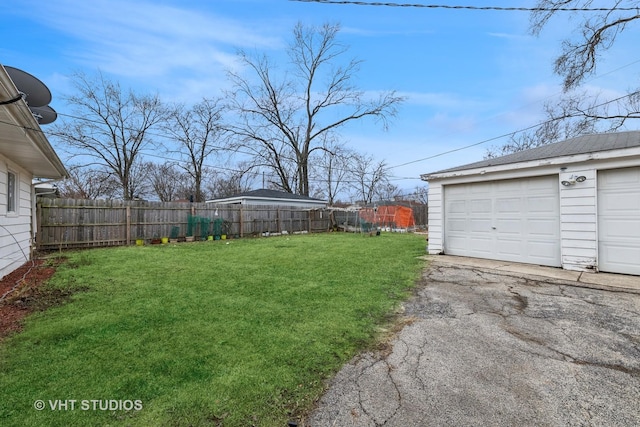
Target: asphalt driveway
[(487, 348)]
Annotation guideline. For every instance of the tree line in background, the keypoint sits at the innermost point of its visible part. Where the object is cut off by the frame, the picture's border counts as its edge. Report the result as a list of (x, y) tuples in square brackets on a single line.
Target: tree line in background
[(270, 130), (282, 130)]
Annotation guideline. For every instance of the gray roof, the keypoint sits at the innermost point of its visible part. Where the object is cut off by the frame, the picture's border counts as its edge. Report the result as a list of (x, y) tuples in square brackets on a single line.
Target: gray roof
[(579, 145), (264, 193)]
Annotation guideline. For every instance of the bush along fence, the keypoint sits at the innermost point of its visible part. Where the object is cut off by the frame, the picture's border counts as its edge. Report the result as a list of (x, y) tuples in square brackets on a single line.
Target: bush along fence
[(73, 223)]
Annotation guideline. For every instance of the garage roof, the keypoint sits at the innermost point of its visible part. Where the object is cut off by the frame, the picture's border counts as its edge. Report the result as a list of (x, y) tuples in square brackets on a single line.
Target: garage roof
[(264, 194), (579, 145)]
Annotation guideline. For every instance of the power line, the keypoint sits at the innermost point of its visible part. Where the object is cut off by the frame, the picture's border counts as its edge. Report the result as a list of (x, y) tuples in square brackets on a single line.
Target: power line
[(482, 8), (349, 170), (629, 95)]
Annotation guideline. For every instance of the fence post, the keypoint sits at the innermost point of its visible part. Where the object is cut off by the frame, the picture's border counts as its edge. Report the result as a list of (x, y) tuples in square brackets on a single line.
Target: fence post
[(279, 225), (309, 222), (128, 231), (38, 224), (241, 222)]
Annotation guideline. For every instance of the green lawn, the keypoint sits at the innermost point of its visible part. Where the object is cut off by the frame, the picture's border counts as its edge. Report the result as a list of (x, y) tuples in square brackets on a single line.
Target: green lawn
[(234, 333)]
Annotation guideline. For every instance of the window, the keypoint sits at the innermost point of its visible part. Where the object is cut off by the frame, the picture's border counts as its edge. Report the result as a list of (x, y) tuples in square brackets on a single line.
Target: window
[(11, 192)]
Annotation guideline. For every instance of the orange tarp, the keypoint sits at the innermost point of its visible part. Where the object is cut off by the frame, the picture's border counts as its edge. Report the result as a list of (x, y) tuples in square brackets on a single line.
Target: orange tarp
[(389, 216)]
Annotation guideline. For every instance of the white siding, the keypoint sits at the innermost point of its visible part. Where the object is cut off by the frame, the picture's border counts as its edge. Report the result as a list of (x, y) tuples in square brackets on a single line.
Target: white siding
[(15, 227), (578, 221), (436, 216)]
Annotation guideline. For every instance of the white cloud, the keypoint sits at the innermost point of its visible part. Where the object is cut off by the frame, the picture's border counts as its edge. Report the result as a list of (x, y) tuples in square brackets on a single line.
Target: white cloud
[(517, 37), (443, 100), (149, 40)]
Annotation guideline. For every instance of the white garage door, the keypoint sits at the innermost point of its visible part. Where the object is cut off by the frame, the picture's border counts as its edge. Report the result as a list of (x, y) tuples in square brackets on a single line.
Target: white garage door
[(512, 220), (619, 221)]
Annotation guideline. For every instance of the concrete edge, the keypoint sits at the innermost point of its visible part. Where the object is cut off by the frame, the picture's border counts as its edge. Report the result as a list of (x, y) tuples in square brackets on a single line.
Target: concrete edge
[(600, 281)]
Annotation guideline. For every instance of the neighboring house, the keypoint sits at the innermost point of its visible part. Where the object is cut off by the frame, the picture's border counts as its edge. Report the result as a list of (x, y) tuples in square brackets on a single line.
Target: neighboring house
[(45, 188), (573, 204), (25, 154), (272, 198)]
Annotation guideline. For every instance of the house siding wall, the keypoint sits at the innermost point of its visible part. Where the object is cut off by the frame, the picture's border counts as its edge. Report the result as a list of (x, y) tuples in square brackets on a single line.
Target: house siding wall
[(579, 244), (15, 227)]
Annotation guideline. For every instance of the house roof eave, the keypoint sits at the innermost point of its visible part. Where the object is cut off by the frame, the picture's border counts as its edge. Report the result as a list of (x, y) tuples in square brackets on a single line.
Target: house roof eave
[(21, 138)]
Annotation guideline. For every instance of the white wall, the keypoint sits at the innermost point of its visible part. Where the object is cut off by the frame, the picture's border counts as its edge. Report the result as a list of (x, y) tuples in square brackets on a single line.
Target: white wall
[(579, 244), (15, 227), (578, 203), (436, 218)]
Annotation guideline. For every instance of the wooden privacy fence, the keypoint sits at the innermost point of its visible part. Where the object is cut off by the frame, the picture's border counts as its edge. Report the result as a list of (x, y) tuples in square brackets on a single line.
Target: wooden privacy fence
[(73, 223)]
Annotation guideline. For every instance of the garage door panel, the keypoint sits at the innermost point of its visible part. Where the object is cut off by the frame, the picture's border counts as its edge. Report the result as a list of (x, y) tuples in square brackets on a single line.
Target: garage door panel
[(619, 220), (541, 249), (508, 205), (621, 229), (480, 206), (621, 259), (509, 247), (456, 225), (542, 227), (480, 245), (505, 220), (458, 207), (542, 204), (539, 185), (509, 226), (507, 187), (478, 225), (619, 204), (456, 243), (620, 178)]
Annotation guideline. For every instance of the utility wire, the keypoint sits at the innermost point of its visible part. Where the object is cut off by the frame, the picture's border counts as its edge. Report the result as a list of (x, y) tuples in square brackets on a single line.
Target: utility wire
[(389, 167), (483, 8), (629, 95)]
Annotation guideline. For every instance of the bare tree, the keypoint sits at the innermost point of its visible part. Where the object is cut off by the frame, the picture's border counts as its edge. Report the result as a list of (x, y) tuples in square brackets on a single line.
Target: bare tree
[(111, 126), (420, 194), (368, 177), (198, 131), (597, 33), (331, 172), (580, 112), (88, 183), (388, 191), (168, 182), (229, 183), (575, 115), (284, 121)]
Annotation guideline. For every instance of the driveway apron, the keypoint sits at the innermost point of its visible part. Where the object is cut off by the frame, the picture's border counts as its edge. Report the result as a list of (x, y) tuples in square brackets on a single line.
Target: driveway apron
[(499, 349)]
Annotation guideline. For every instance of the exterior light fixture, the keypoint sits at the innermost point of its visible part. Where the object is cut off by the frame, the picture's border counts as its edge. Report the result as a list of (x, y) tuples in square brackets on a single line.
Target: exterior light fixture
[(573, 179)]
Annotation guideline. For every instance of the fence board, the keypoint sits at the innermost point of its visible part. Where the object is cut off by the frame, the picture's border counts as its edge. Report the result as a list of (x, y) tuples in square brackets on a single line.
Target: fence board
[(72, 223)]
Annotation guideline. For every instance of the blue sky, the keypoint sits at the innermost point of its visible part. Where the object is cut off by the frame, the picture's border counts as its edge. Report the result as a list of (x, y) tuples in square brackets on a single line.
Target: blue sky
[(469, 76)]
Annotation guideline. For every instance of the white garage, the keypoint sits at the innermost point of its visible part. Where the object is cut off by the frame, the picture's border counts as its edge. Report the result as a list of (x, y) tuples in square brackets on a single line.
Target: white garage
[(573, 204), (619, 220), (513, 220)]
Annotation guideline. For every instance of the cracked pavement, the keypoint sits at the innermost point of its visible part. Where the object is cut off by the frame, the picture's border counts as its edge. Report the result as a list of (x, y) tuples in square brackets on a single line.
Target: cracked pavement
[(487, 348)]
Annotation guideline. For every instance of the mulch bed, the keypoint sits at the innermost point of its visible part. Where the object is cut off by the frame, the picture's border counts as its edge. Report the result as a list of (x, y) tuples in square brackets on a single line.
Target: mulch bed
[(21, 294)]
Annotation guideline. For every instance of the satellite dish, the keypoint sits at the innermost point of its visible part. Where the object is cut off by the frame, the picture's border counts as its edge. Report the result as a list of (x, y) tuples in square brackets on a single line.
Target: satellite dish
[(36, 93), (44, 115)]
